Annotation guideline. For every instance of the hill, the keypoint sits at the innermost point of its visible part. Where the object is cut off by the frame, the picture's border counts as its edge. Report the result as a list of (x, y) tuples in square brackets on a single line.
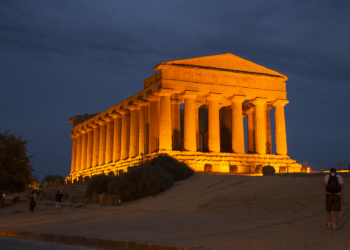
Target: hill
[(205, 212)]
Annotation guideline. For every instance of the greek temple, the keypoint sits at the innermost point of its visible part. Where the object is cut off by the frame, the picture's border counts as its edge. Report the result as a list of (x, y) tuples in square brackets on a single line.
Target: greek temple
[(193, 110)]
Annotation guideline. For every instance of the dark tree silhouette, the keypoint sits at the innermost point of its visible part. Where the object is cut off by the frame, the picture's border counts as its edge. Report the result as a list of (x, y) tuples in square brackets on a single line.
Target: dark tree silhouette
[(52, 179), (16, 171)]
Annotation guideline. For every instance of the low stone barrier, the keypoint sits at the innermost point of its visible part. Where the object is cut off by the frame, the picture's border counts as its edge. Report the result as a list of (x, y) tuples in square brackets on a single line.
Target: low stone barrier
[(86, 241)]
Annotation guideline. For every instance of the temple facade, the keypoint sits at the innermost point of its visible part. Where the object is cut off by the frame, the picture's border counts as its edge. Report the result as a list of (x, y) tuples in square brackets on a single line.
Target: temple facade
[(216, 93)]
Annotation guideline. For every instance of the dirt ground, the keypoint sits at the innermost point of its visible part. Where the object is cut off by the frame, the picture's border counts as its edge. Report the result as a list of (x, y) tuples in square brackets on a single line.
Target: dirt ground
[(203, 212)]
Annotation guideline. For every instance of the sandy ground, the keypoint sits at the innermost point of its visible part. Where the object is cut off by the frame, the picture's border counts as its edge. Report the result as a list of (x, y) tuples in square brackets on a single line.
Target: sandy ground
[(205, 212)]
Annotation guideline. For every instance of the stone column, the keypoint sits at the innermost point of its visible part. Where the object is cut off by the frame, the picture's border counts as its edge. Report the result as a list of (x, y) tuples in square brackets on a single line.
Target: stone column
[(74, 153), (78, 155), (90, 141), (125, 134), (109, 138), (268, 107), (260, 125), (237, 124), (102, 146), (83, 149), (280, 130), (96, 144), (251, 140), (154, 125), (190, 142), (143, 119), (175, 124), (198, 139), (134, 130), (165, 122), (117, 136), (213, 122)]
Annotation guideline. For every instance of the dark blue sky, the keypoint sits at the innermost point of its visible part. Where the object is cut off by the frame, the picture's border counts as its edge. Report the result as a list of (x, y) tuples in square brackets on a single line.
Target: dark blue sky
[(63, 58)]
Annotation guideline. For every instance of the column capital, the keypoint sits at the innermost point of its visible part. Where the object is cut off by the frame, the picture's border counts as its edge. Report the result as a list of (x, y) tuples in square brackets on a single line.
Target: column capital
[(268, 106), (133, 107), (248, 111), (189, 94), (280, 102), (101, 122), (109, 118), (88, 128), (213, 96), (83, 131), (153, 97), (175, 101), (237, 98), (73, 135), (124, 112), (116, 115), (165, 92), (143, 103), (95, 125), (259, 101)]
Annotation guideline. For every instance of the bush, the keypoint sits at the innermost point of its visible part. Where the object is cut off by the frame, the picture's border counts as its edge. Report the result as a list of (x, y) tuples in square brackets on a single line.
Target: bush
[(98, 184), (143, 180), (179, 170), (154, 179)]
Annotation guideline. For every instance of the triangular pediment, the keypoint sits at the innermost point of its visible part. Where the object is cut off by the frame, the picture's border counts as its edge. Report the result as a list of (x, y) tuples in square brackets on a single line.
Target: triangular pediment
[(224, 61)]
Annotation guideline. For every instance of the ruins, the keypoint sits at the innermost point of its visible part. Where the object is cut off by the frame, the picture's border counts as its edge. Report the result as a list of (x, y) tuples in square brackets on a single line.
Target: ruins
[(218, 92)]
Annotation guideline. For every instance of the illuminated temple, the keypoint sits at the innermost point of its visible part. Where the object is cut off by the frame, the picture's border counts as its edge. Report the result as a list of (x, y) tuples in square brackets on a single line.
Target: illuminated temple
[(217, 93)]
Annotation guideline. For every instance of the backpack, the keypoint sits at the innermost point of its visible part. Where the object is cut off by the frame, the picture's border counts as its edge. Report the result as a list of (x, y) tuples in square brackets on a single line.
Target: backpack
[(333, 185)]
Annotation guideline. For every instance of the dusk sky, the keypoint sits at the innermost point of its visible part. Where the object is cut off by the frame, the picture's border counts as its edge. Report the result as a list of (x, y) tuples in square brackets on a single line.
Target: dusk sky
[(64, 58)]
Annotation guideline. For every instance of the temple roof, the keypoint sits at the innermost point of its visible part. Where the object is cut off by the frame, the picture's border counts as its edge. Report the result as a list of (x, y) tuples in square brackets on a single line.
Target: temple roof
[(227, 62)]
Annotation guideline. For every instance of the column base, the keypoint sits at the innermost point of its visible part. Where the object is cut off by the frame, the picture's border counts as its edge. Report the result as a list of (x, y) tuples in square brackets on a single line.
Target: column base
[(223, 163)]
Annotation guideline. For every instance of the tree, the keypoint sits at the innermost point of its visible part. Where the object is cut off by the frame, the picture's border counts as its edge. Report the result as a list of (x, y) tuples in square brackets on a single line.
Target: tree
[(16, 171), (52, 179)]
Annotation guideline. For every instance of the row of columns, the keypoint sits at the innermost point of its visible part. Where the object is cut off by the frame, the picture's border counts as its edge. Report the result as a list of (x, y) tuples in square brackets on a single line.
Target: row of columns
[(154, 125)]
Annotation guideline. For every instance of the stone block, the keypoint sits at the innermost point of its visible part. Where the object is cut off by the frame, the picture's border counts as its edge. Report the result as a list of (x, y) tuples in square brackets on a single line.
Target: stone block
[(102, 199), (233, 169), (283, 170), (268, 170), (208, 168), (258, 168), (95, 198), (112, 200), (251, 169)]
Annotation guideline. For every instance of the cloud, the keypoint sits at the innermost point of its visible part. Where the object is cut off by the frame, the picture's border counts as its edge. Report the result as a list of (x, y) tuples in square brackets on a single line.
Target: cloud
[(62, 58), (301, 37)]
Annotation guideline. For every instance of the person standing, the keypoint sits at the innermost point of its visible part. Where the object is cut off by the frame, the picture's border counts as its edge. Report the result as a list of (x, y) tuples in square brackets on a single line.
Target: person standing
[(59, 196), (333, 184), (32, 202)]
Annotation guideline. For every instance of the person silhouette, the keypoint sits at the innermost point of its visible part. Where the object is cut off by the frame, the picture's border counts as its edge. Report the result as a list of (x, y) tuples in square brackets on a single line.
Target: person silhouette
[(333, 184)]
